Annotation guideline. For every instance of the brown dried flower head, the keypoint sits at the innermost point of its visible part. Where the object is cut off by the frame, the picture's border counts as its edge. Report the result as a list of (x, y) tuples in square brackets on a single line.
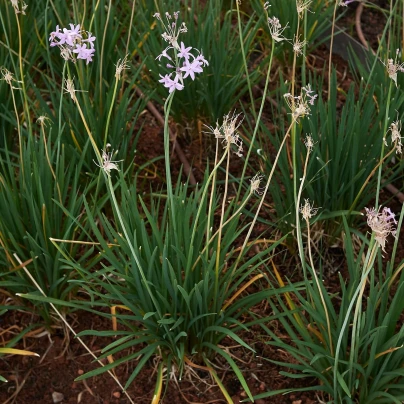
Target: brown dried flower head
[(382, 224)]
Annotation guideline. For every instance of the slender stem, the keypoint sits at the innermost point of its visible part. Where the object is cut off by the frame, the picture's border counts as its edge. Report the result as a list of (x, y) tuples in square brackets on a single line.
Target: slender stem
[(49, 163), (24, 91), (293, 132), (110, 112), (319, 287), (60, 116), (386, 119), (198, 213), (212, 194), (167, 108), (297, 208), (102, 49), (18, 130), (245, 62), (132, 14), (260, 205), (93, 143), (331, 46), (304, 48), (219, 237), (257, 122)]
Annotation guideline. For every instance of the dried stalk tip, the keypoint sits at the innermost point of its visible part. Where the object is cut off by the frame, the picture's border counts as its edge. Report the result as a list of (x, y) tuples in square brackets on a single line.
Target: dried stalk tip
[(16, 5), (8, 77), (121, 65), (107, 163), (228, 132), (307, 210), (382, 224), (255, 184)]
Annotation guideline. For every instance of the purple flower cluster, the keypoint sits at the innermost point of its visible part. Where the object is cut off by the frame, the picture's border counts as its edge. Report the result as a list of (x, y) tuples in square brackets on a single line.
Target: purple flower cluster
[(182, 61), (74, 43)]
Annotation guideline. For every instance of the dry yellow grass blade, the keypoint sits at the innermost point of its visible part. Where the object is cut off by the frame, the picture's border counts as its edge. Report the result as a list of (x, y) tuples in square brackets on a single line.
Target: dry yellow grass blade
[(113, 312), (241, 290), (13, 351)]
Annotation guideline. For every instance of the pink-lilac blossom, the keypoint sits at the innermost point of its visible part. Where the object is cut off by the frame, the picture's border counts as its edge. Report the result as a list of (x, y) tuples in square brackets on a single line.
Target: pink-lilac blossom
[(183, 62), (73, 43)]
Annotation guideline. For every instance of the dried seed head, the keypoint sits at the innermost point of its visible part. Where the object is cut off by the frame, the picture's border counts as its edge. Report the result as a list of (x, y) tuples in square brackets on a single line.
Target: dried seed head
[(107, 163), (393, 68), (382, 224), (16, 5), (395, 129), (300, 105), (8, 77), (276, 29), (307, 210), (228, 132), (309, 143), (42, 120), (121, 65), (302, 5), (298, 46), (69, 88), (255, 184)]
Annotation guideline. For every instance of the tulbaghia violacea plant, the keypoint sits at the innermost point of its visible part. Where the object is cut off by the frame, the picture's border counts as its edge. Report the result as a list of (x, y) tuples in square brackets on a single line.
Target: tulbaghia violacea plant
[(74, 43), (181, 59), (300, 105)]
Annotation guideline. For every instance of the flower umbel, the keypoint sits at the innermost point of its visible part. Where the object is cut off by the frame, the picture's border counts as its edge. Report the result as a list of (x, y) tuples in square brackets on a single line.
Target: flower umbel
[(382, 224), (185, 62), (300, 105), (74, 43), (107, 163)]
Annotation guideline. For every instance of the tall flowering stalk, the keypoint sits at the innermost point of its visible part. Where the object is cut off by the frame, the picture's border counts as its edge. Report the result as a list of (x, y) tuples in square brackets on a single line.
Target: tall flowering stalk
[(183, 63)]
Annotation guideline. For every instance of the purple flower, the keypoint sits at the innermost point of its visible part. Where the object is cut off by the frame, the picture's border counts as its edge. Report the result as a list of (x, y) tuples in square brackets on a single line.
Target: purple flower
[(165, 54), (90, 39), (191, 68), (202, 60), (71, 43), (174, 85), (184, 52), (171, 84)]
